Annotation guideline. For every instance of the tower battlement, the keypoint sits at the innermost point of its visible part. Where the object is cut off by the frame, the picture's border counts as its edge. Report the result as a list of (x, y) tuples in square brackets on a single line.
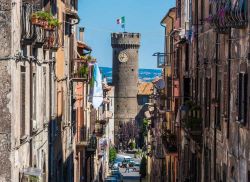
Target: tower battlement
[(125, 39)]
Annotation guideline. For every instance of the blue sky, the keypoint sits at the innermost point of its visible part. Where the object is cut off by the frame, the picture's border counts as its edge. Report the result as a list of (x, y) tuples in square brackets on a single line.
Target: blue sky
[(143, 16)]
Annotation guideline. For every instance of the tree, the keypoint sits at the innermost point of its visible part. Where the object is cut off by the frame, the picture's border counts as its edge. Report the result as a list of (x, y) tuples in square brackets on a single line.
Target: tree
[(128, 131), (112, 154), (143, 167)]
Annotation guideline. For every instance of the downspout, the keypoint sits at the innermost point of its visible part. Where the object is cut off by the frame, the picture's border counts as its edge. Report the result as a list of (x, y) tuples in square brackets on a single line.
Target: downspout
[(229, 82), (215, 116), (197, 50), (31, 111), (197, 72)]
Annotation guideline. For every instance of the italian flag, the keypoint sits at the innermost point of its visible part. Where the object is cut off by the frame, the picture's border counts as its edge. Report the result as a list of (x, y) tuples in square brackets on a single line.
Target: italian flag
[(121, 20)]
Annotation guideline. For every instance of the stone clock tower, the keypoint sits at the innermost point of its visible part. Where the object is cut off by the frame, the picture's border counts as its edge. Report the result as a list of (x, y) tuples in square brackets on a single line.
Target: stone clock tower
[(125, 75)]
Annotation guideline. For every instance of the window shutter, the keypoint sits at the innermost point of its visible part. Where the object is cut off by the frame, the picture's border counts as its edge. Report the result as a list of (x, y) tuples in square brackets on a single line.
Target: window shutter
[(22, 101), (245, 103), (240, 95)]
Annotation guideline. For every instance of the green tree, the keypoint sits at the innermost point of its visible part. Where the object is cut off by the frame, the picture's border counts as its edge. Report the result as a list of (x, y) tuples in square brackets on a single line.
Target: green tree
[(112, 154), (143, 167)]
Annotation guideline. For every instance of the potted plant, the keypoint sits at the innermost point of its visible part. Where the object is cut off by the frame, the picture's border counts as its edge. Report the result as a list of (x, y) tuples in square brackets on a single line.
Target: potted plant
[(83, 71), (41, 18), (52, 23)]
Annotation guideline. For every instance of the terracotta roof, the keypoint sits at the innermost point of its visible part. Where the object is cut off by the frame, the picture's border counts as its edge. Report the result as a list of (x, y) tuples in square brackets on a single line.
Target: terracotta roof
[(145, 88), (83, 46)]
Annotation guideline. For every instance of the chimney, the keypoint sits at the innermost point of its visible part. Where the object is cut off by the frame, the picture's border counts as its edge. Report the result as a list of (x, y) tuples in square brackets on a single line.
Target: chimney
[(81, 34)]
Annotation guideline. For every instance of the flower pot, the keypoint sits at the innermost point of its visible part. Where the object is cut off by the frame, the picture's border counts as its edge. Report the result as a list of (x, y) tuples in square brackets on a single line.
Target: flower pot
[(49, 27), (35, 21)]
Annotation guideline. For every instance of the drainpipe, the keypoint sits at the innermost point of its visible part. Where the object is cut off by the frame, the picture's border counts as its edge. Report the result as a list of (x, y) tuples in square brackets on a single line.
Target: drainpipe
[(197, 50), (229, 82), (197, 69), (215, 116), (31, 111)]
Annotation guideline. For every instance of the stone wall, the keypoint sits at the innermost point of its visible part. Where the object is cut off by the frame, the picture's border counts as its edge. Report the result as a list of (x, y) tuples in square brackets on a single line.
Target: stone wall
[(5, 90)]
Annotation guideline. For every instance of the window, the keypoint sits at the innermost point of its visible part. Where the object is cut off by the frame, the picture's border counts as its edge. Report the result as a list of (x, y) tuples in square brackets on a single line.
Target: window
[(67, 25), (34, 96), (242, 97), (22, 101)]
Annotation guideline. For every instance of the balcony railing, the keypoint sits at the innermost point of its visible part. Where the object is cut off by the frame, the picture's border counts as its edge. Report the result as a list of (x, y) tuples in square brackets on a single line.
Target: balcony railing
[(169, 140), (39, 36), (27, 28), (228, 15), (82, 139), (99, 129), (106, 116), (92, 145), (80, 70), (51, 39)]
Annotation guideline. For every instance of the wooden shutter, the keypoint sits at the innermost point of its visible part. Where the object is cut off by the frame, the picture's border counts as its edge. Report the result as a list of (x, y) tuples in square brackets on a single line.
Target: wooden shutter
[(245, 100)]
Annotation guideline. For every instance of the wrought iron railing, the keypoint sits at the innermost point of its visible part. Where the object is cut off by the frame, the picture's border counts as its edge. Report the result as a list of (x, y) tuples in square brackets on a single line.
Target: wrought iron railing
[(228, 14), (27, 29), (39, 35), (92, 144), (99, 129), (80, 70), (169, 140), (51, 39)]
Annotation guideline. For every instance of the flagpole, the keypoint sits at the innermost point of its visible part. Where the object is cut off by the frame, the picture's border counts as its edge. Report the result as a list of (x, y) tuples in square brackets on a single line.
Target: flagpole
[(124, 30)]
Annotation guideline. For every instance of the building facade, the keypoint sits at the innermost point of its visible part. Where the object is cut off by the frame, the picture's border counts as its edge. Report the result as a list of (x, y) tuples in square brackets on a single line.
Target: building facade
[(208, 55), (26, 101)]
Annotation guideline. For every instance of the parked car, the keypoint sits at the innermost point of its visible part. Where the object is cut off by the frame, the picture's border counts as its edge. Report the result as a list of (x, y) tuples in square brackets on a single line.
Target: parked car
[(136, 167)]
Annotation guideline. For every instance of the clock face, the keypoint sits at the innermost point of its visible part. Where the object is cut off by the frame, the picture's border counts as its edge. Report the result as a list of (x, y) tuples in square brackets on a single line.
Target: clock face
[(123, 57)]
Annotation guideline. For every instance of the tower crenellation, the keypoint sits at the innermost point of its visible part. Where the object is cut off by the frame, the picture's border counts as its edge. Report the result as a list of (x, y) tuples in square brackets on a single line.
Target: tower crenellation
[(129, 40)]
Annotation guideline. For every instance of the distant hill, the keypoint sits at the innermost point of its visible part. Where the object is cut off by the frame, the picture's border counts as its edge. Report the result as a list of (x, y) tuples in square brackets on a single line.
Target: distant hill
[(146, 75)]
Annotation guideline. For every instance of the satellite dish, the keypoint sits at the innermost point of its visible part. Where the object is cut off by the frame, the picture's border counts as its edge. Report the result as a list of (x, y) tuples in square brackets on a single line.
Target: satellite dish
[(160, 84)]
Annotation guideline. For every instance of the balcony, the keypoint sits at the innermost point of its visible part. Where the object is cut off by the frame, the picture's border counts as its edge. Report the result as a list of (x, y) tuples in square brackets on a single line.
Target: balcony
[(51, 40), (161, 59), (99, 129), (105, 116), (169, 141), (39, 36), (192, 122), (82, 140), (92, 145), (80, 70), (228, 15)]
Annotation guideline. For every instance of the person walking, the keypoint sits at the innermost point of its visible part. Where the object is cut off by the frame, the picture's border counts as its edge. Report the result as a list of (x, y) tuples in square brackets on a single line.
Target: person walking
[(127, 168)]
